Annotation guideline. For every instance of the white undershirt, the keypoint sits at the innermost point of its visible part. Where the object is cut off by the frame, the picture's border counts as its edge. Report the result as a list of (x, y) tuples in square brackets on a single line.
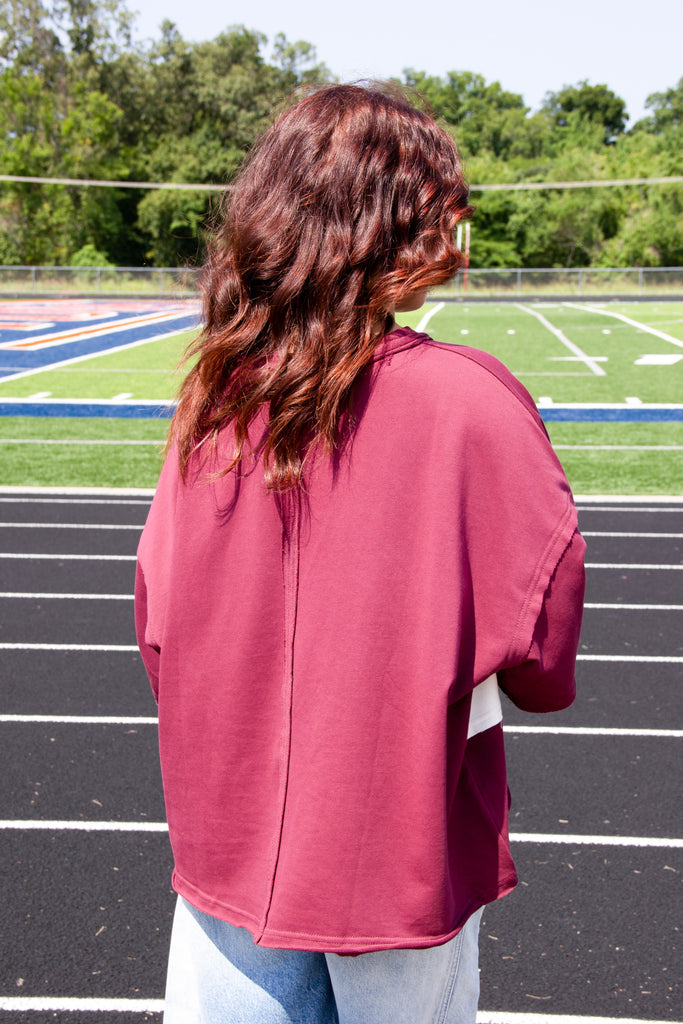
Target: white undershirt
[(485, 709)]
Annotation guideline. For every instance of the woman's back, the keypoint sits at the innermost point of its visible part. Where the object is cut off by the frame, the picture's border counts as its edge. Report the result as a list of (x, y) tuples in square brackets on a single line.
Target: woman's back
[(358, 537), (319, 648)]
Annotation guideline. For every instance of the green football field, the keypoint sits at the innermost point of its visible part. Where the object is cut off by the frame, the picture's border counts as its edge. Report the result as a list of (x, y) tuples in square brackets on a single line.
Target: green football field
[(608, 354)]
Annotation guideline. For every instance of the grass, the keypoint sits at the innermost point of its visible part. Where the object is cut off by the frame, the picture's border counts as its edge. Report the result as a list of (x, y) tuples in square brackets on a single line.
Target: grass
[(62, 460), (618, 470), (547, 367)]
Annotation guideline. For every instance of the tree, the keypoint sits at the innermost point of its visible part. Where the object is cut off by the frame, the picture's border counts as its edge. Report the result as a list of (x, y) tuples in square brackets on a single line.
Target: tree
[(483, 116), (213, 100), (79, 98), (667, 110), (591, 104)]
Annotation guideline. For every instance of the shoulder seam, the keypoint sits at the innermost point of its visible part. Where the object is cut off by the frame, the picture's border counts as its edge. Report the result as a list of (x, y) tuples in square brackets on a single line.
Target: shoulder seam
[(471, 354)]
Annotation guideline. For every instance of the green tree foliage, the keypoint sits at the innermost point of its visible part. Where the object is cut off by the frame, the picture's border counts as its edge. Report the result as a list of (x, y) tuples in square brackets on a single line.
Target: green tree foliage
[(667, 110), (81, 99), (578, 135), (592, 104)]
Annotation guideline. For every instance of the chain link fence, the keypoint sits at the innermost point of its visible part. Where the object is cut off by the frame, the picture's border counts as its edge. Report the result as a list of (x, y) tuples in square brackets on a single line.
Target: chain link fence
[(105, 282), (577, 283), (515, 284)]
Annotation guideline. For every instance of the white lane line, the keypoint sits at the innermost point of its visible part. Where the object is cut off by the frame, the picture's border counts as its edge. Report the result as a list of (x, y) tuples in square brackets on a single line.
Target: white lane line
[(62, 1004), (572, 730), (539, 730), (79, 719), (59, 558), (422, 326), (627, 320), (501, 1017), (132, 558), (644, 658), (68, 647), (619, 503), (71, 526), (30, 498), (20, 596), (136, 526), (582, 507), (592, 364), (609, 533), (628, 565), (36, 824), (635, 607), (547, 837), (66, 1004), (647, 659)]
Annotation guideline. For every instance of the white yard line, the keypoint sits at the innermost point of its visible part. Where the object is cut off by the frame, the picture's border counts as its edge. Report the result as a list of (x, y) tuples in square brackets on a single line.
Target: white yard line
[(618, 447), (590, 362), (627, 320), (70, 441), (422, 326)]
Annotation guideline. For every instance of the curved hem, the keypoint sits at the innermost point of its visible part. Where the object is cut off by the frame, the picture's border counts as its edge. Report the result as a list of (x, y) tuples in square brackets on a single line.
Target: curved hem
[(303, 941)]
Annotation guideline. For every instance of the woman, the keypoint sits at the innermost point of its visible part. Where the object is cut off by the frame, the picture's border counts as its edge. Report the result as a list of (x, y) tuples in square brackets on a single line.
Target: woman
[(357, 530)]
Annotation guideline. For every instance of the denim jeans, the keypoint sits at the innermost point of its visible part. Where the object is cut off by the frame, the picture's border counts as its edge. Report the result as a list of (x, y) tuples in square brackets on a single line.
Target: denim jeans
[(217, 975)]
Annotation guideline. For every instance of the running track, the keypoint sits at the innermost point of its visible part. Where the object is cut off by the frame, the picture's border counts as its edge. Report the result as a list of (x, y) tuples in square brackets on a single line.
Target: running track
[(592, 931)]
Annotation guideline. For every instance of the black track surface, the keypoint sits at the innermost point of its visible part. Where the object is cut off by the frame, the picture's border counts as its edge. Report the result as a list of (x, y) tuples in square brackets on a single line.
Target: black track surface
[(592, 930)]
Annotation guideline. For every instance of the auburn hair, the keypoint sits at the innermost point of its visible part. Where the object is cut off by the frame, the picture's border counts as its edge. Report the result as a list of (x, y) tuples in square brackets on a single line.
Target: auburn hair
[(346, 206)]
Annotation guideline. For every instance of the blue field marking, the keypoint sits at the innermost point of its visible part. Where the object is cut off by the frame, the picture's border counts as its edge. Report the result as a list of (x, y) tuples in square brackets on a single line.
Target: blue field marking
[(16, 361), (87, 407), (610, 414), (104, 409)]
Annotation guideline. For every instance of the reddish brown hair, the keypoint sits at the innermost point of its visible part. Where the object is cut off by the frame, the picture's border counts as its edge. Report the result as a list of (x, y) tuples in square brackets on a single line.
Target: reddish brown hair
[(347, 205)]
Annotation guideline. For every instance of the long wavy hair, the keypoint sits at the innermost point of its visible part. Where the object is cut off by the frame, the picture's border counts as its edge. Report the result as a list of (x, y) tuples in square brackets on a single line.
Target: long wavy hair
[(346, 206)]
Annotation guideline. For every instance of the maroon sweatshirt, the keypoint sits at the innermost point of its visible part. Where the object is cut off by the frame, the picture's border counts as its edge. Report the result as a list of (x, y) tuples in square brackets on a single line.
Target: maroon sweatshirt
[(314, 655)]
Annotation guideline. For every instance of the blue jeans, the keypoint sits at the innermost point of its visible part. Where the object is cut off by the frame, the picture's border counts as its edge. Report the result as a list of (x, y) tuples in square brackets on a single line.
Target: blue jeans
[(217, 975)]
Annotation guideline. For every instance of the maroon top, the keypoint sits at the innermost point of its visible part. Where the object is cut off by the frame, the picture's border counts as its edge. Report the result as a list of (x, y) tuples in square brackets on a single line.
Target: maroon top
[(313, 657)]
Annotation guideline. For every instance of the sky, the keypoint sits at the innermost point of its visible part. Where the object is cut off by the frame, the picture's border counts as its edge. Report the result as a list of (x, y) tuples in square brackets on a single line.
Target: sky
[(530, 47)]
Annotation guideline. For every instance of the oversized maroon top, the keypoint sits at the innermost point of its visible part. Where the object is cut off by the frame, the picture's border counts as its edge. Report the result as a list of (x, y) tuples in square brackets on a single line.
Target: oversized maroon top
[(314, 655)]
